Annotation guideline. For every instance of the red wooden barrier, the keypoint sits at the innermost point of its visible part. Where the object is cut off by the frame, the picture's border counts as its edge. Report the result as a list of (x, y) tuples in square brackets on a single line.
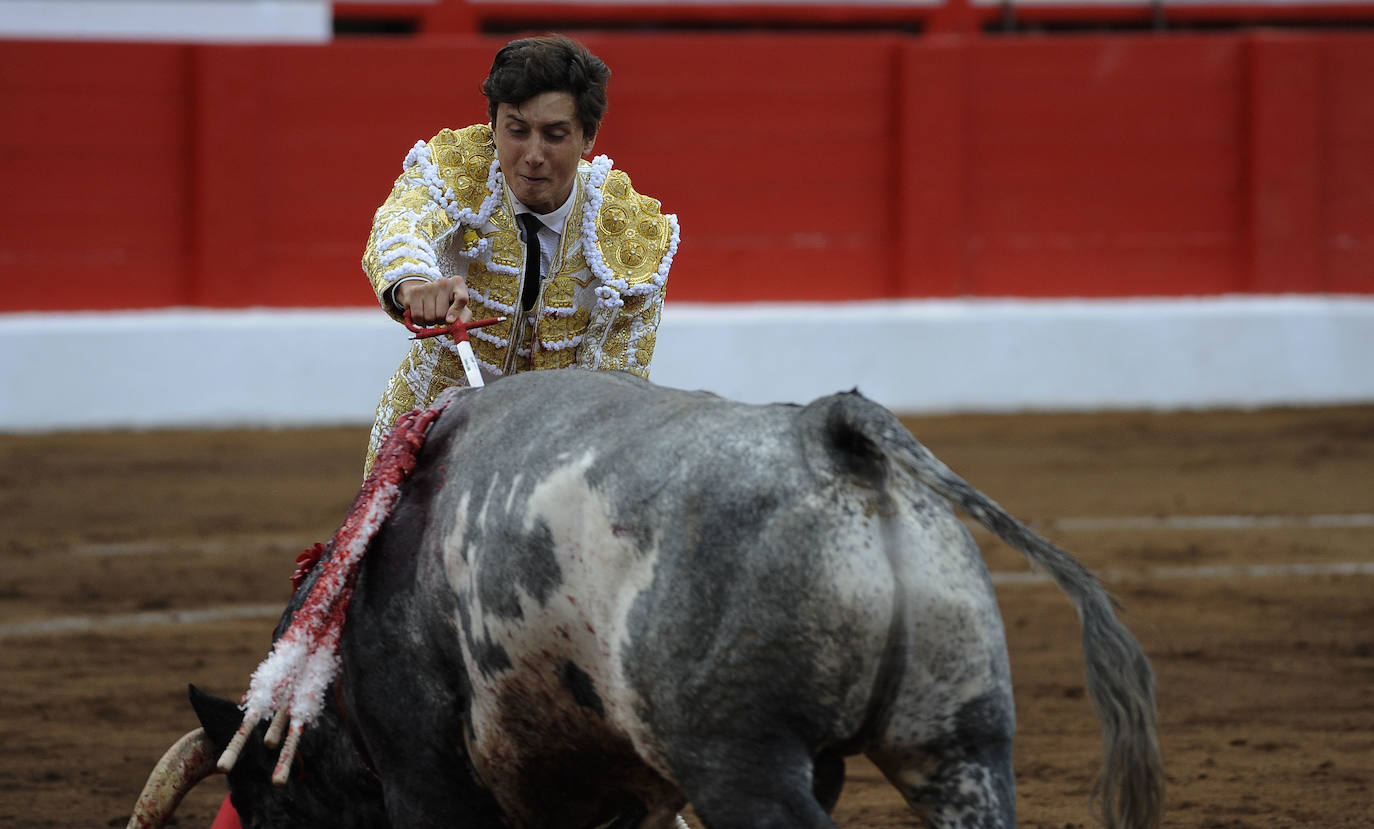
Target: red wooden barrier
[(1101, 167), (1345, 169), (802, 166), (298, 146), (94, 159)]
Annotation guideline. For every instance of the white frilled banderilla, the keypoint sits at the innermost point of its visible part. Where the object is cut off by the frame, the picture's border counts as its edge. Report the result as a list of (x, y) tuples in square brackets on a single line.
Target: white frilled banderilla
[(290, 685)]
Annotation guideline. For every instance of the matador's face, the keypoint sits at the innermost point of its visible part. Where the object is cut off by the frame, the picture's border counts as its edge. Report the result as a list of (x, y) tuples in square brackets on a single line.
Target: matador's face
[(539, 143)]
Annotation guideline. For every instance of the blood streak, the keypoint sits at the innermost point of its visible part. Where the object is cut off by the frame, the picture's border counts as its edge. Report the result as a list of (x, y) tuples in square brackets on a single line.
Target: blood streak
[(304, 660)]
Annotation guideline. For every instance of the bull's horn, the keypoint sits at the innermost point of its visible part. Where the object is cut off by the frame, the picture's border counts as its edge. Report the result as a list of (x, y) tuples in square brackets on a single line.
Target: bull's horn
[(189, 761)]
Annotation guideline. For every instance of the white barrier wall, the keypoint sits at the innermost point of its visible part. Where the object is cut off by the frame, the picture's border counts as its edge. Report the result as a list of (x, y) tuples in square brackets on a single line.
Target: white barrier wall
[(293, 368), (179, 21)]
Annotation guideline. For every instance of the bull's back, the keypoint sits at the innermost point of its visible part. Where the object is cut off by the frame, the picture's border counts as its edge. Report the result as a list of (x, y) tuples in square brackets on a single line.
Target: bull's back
[(641, 564)]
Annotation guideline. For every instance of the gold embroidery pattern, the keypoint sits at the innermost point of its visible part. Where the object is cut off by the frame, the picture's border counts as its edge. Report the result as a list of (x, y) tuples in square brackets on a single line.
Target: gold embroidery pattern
[(570, 260), (632, 234), (464, 158), (559, 292), (575, 264), (644, 349), (505, 242), (557, 330), (545, 360)]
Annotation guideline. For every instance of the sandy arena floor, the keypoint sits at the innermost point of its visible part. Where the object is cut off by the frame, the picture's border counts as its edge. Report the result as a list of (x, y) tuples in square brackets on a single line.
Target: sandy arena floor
[(111, 545)]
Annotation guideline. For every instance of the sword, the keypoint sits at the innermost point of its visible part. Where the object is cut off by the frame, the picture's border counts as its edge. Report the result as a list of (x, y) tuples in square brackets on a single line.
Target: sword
[(459, 330)]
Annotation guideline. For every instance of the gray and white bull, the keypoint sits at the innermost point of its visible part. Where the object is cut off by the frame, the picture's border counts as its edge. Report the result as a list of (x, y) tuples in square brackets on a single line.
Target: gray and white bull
[(598, 600)]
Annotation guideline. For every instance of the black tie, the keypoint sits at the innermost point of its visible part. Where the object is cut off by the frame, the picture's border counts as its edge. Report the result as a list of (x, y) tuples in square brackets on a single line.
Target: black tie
[(531, 290)]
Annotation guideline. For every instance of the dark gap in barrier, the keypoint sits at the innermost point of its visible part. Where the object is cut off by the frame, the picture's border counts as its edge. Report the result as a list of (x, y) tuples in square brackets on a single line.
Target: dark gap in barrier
[(1009, 24), (375, 26), (1326, 25), (504, 26)]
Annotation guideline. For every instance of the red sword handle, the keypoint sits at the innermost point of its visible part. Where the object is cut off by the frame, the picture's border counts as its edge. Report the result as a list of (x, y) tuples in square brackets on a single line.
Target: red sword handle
[(459, 330)]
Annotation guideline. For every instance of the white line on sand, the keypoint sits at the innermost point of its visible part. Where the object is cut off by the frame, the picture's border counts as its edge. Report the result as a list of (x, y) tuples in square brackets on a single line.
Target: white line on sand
[(290, 542), (207, 545), (1209, 522), (101, 624), (158, 618), (1209, 571), (220, 545)]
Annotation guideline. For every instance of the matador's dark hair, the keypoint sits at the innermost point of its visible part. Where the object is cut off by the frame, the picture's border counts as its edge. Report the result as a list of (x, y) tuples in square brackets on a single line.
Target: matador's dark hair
[(550, 63)]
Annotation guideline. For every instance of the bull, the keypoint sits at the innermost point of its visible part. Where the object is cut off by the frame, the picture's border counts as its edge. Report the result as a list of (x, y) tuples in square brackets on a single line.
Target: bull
[(597, 600)]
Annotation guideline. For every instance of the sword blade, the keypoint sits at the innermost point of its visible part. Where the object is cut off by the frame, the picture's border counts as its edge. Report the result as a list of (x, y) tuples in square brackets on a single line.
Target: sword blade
[(470, 367)]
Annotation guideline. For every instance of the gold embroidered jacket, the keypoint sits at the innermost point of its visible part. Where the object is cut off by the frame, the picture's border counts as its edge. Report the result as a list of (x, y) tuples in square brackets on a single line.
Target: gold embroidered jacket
[(450, 213)]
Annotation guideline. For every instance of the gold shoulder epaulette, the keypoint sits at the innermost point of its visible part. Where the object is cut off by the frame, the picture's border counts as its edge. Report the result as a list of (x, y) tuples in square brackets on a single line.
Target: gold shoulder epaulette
[(464, 159), (633, 233)]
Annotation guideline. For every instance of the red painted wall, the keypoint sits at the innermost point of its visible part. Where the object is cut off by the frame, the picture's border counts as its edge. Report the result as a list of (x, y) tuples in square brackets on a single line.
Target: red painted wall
[(95, 163), (802, 166)]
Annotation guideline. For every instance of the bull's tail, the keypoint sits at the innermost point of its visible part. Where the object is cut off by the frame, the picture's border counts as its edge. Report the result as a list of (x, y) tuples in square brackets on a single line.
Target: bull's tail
[(1119, 678)]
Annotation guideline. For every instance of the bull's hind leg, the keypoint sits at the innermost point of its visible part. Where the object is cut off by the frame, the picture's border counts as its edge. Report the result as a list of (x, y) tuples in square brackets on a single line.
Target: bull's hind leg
[(958, 774), (759, 785)]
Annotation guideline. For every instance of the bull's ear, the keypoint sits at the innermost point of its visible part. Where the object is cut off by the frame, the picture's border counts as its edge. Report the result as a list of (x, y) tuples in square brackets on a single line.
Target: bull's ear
[(219, 717)]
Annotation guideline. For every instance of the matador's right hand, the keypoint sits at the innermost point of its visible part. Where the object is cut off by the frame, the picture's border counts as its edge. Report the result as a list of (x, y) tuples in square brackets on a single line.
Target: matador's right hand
[(443, 300)]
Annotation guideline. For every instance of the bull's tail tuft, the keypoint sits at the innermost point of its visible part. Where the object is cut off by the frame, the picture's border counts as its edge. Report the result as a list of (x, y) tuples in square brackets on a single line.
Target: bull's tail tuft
[(1120, 680)]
